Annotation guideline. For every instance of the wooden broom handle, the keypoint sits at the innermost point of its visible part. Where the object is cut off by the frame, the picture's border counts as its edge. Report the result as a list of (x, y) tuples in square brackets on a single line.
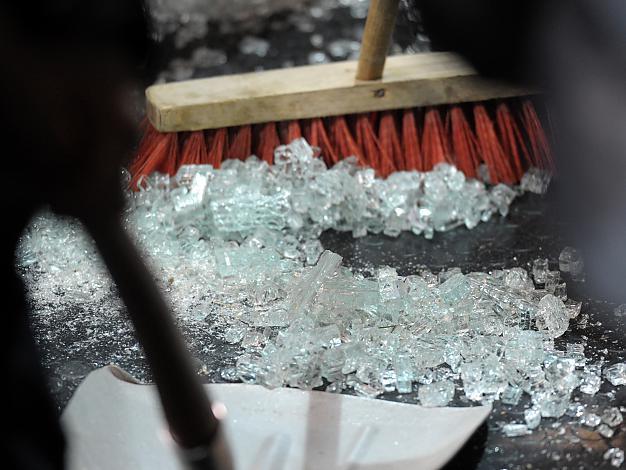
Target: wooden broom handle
[(381, 19), (185, 403)]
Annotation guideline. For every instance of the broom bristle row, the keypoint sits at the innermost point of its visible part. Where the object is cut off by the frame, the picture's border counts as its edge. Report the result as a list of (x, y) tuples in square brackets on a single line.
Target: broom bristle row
[(507, 142)]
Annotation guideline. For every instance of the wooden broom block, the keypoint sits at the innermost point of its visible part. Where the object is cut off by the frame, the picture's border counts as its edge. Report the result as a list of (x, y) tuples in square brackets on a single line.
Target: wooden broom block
[(418, 80)]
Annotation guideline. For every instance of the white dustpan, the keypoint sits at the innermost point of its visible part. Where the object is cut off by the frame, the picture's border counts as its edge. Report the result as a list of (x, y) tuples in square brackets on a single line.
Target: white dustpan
[(114, 423)]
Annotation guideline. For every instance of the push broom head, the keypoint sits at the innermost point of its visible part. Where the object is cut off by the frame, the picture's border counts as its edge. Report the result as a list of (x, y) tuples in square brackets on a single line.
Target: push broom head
[(428, 108)]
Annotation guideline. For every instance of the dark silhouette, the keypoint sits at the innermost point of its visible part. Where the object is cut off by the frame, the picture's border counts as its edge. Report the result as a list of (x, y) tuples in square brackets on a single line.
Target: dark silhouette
[(66, 130), (575, 50)]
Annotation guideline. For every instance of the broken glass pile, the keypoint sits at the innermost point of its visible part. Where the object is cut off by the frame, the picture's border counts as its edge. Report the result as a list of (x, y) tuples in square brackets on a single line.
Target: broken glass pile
[(239, 247), (299, 195)]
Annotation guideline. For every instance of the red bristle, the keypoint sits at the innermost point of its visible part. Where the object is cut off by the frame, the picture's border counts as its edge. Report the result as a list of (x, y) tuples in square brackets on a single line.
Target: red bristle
[(368, 142), (491, 151), (410, 141), (268, 141), (389, 139), (150, 139), (312, 132), (540, 147), (464, 145), (512, 140), (434, 141), (374, 121), (149, 164), (162, 158), (359, 137), (241, 143), (194, 150), (293, 131), (207, 139), (217, 147), (320, 138), (170, 162), (344, 143)]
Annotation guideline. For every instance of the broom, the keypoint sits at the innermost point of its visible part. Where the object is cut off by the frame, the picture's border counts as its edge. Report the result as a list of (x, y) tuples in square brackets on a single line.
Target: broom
[(427, 108)]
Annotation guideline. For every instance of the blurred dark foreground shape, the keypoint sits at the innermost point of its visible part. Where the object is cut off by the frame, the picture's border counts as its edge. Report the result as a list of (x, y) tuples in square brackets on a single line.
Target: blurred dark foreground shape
[(576, 51), (66, 131)]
